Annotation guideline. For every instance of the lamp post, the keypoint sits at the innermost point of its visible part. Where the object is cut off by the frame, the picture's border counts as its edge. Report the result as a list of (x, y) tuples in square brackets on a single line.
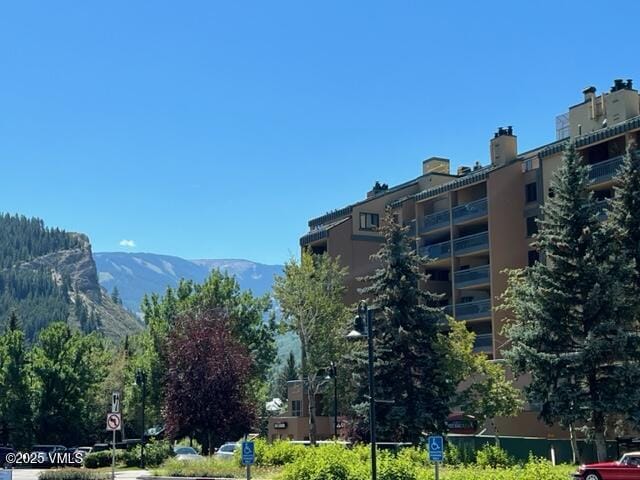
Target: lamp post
[(333, 374), (366, 314), (141, 381)]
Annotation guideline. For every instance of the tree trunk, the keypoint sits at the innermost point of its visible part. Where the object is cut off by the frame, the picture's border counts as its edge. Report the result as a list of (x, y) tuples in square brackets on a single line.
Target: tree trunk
[(306, 384), (574, 445), (496, 434), (601, 444), (312, 415)]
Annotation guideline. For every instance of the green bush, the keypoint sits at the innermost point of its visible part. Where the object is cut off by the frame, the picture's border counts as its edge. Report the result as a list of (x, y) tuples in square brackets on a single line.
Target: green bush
[(275, 454), (101, 459), (72, 474), (492, 456), (155, 452), (327, 462)]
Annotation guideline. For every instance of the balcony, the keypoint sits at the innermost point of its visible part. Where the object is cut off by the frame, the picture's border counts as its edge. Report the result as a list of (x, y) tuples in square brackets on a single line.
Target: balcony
[(436, 251), (603, 171), (483, 343), (412, 228), (473, 310), (472, 277), (471, 244), (435, 221), (469, 211)]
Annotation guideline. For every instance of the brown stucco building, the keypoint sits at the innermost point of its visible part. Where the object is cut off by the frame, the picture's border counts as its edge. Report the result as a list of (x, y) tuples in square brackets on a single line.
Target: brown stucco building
[(478, 221)]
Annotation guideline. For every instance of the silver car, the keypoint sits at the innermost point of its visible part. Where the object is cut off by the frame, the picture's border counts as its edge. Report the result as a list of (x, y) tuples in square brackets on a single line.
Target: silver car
[(226, 451), (186, 453)]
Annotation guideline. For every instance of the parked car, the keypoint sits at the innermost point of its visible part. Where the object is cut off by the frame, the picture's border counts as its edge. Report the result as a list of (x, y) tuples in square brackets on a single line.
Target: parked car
[(46, 452), (627, 468), (4, 463), (225, 452), (183, 452)]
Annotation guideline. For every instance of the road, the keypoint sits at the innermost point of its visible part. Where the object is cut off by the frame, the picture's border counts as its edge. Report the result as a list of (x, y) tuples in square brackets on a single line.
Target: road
[(32, 474)]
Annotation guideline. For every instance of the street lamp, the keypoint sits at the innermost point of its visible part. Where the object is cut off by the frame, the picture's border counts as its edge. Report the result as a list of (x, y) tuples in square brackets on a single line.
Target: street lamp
[(141, 381), (333, 374), (366, 314)]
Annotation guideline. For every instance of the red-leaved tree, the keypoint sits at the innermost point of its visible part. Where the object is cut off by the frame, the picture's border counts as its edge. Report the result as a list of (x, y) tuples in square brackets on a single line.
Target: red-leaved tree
[(207, 381)]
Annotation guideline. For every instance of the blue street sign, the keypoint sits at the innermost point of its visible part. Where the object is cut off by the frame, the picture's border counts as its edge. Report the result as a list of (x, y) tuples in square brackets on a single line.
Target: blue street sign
[(436, 448), (248, 453)]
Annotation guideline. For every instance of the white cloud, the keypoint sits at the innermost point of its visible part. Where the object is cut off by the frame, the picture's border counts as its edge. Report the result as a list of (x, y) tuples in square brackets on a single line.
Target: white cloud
[(127, 243)]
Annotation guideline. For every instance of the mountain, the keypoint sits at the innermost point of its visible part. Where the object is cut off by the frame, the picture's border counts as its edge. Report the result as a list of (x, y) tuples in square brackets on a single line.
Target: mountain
[(135, 274), (47, 275)]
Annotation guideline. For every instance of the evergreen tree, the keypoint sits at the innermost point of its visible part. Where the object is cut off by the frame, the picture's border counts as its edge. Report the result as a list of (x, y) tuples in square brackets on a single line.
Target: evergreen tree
[(288, 372), (15, 402), (573, 326), (410, 358), (115, 296)]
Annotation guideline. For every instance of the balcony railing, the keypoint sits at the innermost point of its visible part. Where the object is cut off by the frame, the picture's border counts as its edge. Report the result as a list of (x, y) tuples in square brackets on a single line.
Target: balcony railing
[(473, 310), (471, 243), (436, 251), (601, 171), (412, 228), (435, 220), (472, 276), (483, 343), (471, 210)]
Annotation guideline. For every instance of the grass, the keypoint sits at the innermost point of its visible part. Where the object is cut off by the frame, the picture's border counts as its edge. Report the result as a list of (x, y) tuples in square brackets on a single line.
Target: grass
[(212, 467)]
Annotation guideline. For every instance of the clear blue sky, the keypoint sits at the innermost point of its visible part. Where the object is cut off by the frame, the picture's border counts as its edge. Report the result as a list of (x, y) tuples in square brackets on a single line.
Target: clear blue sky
[(217, 129)]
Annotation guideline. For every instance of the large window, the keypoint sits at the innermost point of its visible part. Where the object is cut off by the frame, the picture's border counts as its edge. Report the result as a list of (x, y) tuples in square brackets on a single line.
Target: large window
[(531, 192), (296, 408), (369, 221), (532, 226)]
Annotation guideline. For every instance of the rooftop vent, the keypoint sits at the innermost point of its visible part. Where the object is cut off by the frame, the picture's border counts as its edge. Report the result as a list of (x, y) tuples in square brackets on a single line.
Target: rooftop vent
[(462, 171), (504, 131), (619, 84)]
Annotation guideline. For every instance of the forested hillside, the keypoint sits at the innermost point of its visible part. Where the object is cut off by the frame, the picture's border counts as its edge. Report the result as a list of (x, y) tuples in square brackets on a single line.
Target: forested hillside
[(47, 275)]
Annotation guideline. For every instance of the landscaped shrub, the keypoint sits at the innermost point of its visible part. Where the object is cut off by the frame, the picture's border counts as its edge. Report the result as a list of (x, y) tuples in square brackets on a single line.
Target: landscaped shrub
[(275, 454), (205, 467), (327, 462), (492, 456), (101, 459), (155, 452), (404, 466), (72, 474)]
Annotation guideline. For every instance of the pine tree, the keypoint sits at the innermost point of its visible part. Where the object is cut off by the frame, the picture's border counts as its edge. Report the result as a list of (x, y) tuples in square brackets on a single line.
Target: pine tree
[(410, 362), (288, 372), (574, 327), (115, 296), (15, 404)]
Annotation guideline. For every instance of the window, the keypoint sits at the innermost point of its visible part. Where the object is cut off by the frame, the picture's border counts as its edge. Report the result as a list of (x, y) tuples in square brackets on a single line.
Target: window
[(369, 221), (534, 256), (532, 226), (439, 275), (296, 408), (531, 192)]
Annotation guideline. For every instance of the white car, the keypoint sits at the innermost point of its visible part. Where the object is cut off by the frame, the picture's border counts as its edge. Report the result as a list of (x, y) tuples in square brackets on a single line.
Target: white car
[(226, 451), (186, 453)]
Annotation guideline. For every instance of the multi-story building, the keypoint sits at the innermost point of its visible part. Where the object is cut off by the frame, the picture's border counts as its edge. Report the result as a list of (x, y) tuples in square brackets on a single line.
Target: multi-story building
[(478, 222)]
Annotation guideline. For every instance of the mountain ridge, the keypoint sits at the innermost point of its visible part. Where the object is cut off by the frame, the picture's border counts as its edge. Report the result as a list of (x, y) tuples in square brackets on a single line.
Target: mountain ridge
[(137, 273)]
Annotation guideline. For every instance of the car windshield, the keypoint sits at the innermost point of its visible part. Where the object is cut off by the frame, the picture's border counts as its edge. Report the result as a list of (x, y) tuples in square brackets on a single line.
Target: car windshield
[(631, 460), (185, 451), (228, 448)]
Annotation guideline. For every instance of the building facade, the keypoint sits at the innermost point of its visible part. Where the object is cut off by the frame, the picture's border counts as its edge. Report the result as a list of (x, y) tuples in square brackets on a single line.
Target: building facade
[(475, 223)]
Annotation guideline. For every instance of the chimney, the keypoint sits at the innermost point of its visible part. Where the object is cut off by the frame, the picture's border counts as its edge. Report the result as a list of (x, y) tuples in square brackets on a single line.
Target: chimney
[(435, 165), (589, 93), (503, 146)]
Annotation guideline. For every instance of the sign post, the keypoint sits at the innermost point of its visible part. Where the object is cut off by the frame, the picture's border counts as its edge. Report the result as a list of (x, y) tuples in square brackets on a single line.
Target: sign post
[(114, 422), (436, 452), (248, 456)]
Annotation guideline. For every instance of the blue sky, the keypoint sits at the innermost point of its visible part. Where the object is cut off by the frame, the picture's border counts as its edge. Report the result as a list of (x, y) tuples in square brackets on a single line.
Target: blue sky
[(217, 129)]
